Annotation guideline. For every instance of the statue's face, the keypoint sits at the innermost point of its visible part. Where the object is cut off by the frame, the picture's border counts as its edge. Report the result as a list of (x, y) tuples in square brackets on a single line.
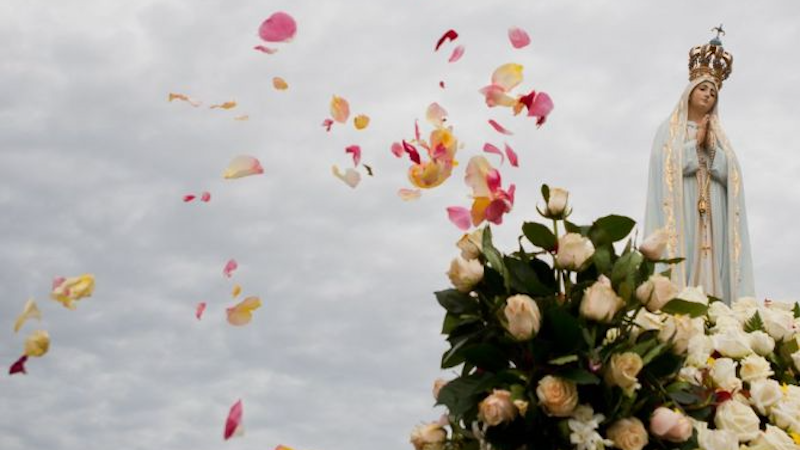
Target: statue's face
[(703, 97)]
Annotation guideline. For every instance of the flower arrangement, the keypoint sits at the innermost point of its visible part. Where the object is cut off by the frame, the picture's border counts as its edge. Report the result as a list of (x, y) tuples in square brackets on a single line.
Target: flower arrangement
[(575, 341)]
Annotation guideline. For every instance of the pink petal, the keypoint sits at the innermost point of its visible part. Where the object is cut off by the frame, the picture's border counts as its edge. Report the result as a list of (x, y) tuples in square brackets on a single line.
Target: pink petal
[(242, 166), (397, 149), (458, 52), (489, 148), (350, 177), (416, 131), (58, 281), (460, 217), (409, 194), (539, 107), (495, 210), (511, 190), (356, 151), (266, 50), (234, 420), (18, 366), (279, 27), (512, 156), (448, 35), (413, 154), (435, 114), (495, 95), (493, 180), (327, 124), (205, 197), (188, 197), (230, 266), (201, 307), (499, 128), (440, 153), (518, 37)]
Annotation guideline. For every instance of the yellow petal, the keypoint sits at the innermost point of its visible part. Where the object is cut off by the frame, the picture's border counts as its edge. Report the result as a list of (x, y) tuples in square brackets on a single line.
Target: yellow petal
[(37, 343), (340, 109), (361, 121), (236, 291), (226, 105), (351, 177), (29, 311), (73, 289), (279, 84), (242, 312), (242, 166), (508, 76)]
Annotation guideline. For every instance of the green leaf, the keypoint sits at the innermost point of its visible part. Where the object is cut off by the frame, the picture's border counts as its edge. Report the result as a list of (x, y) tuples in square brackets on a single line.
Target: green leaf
[(679, 306), (546, 193), (455, 355), (796, 310), (579, 376), (539, 235), (462, 394), (493, 257), (486, 356), (572, 228), (626, 268), (456, 302), (654, 352), (608, 229), (602, 260), (564, 327), (754, 323), (522, 278), (560, 361)]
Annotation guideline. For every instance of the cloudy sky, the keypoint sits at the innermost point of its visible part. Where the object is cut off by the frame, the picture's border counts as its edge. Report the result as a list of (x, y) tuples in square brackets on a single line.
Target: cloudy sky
[(94, 163)]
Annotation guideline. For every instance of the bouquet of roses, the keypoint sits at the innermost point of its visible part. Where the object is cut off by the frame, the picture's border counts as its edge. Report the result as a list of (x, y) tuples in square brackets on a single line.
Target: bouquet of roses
[(571, 341)]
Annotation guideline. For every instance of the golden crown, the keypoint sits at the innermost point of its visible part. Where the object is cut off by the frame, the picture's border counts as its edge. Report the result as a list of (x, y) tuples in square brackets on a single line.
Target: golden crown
[(711, 60)]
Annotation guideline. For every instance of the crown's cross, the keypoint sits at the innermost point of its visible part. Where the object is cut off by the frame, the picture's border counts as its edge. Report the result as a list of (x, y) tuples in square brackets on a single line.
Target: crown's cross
[(719, 31)]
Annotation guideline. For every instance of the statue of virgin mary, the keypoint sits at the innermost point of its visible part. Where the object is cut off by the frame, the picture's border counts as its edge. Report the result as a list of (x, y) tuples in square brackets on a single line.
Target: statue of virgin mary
[(695, 190)]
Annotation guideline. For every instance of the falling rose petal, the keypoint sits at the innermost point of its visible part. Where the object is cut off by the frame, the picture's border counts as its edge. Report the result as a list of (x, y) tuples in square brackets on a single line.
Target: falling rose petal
[(512, 156), (496, 95), (230, 266), (499, 128), (67, 291), (283, 447), (351, 177), (242, 313), (408, 195), (439, 153), (441, 84), (460, 216), (188, 197), (173, 96), (18, 366), (279, 84), (397, 149), (489, 148), (507, 76), (266, 50), (279, 27), (237, 289), (458, 52), (37, 343), (234, 420), (242, 118), (340, 109), (416, 131), (477, 171), (57, 282), (540, 108), (449, 35), (436, 115), (198, 312), (494, 212), (226, 105), (29, 311), (368, 168), (493, 180), (242, 166), (361, 121), (413, 154), (205, 197), (518, 37), (327, 123), (356, 152)]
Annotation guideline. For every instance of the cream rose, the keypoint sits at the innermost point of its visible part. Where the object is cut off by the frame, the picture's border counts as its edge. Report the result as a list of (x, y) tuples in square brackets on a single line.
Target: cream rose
[(628, 434), (465, 274), (700, 348), (557, 203), (717, 310), (778, 323), (786, 414), (497, 408), (738, 418), (796, 359), (573, 251), (761, 342), (656, 292), (670, 425), (693, 294), (558, 396), (471, 244), (717, 439), (754, 368), (437, 387), (600, 303), (764, 394), (723, 372), (647, 321), (428, 437), (773, 439), (679, 330), (653, 246), (623, 370), (732, 344), (523, 317)]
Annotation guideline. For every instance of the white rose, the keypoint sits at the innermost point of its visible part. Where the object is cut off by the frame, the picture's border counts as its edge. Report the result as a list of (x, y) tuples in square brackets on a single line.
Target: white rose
[(723, 372), (778, 323), (471, 244), (717, 439), (428, 437), (717, 310), (764, 394), (796, 359), (600, 303), (754, 368), (465, 274), (653, 246), (738, 418), (557, 203), (679, 330), (524, 318), (693, 294), (692, 375), (732, 344), (793, 394), (786, 414), (573, 251), (646, 321), (761, 342), (773, 439), (656, 292), (700, 348), (726, 323)]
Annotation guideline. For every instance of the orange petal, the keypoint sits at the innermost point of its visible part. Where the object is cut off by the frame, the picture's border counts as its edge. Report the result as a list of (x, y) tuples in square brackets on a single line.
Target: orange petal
[(508, 76), (279, 84), (173, 96), (242, 166), (340, 109), (236, 291), (478, 212), (408, 195), (361, 121), (226, 105), (242, 312), (29, 311), (351, 177)]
